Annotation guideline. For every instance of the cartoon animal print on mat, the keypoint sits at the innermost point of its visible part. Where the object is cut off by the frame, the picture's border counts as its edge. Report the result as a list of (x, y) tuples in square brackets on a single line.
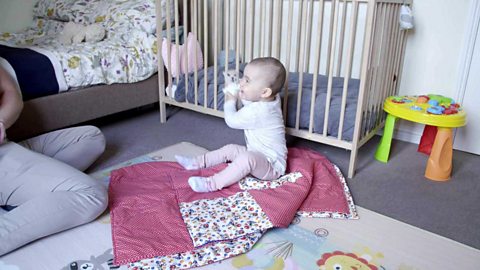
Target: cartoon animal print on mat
[(341, 260), (102, 262), (278, 251)]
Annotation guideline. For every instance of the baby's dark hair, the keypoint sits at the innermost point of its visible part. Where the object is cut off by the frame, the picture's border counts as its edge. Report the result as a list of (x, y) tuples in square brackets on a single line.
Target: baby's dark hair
[(277, 67)]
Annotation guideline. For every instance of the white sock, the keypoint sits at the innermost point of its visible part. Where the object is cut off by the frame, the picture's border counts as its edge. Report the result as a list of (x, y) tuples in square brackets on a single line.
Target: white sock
[(187, 162), (200, 184)]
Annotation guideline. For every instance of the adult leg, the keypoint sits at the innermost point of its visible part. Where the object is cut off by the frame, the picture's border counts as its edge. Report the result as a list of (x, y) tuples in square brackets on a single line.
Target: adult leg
[(49, 196), (79, 147)]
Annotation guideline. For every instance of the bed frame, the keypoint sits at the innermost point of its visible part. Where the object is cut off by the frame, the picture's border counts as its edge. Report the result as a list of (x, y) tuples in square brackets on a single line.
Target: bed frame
[(52, 112), (372, 52)]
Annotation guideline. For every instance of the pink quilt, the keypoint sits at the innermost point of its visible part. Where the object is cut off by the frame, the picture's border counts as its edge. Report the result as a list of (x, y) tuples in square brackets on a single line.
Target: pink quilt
[(158, 221)]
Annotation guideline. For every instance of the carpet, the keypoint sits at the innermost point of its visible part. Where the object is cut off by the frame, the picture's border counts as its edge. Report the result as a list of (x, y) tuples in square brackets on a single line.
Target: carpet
[(372, 242)]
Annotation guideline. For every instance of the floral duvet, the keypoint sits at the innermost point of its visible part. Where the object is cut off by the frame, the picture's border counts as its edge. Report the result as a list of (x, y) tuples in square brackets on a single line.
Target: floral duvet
[(128, 54)]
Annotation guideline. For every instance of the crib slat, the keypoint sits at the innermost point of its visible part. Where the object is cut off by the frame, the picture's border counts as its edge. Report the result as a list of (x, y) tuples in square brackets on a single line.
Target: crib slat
[(169, 49), (309, 37), (237, 47), (251, 10), (317, 64), (185, 35), (270, 26), (301, 60), (205, 52), (279, 30), (396, 55), (390, 56), (398, 51), (400, 67), (374, 66), (388, 60), (401, 60), (215, 52), (330, 69), (262, 29), (342, 38), (244, 30), (161, 74), (289, 45), (384, 65), (372, 70), (227, 32), (351, 48), (177, 40), (393, 53), (195, 32), (330, 35), (364, 105), (299, 30)]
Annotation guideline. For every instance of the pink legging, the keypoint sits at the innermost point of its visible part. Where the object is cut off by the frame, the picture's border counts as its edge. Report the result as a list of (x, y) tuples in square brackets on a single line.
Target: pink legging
[(243, 163)]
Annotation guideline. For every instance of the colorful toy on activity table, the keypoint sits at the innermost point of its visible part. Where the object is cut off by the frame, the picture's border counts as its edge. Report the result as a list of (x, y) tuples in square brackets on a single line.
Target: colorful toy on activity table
[(439, 114)]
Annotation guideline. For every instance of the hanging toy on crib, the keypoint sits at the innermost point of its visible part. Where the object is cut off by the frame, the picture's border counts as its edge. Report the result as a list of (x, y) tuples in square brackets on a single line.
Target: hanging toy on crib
[(406, 18)]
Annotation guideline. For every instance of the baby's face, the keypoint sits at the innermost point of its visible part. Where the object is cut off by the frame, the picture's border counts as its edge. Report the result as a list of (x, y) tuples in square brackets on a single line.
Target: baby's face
[(254, 82)]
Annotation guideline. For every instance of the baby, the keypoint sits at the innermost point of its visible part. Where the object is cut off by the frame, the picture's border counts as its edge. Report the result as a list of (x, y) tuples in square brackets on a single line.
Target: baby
[(261, 119)]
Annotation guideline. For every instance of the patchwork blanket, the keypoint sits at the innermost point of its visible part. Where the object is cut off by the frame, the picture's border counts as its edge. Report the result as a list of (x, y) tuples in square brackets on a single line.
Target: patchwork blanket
[(37, 71), (158, 222)]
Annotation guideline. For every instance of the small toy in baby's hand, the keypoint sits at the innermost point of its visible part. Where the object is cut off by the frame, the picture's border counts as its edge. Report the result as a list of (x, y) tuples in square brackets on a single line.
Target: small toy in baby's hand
[(231, 82)]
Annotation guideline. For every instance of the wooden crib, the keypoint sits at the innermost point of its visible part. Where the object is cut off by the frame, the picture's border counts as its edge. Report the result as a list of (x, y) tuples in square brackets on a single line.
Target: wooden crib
[(342, 40)]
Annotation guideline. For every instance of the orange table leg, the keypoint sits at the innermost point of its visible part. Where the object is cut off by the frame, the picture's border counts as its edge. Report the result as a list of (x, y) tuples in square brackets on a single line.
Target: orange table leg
[(439, 164)]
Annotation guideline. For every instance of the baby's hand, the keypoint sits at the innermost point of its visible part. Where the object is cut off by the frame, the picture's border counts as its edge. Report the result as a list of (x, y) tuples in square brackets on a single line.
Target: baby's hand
[(232, 89), (229, 96)]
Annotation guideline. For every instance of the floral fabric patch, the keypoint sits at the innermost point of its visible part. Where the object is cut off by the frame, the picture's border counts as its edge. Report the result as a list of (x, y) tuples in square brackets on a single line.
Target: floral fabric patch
[(219, 219), (253, 183), (201, 256)]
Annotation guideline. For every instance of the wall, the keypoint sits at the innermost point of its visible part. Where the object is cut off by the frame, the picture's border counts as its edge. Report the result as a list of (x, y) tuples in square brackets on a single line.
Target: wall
[(15, 15), (433, 54)]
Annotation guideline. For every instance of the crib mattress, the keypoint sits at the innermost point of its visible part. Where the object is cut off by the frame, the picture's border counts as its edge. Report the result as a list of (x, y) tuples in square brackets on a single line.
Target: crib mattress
[(293, 90)]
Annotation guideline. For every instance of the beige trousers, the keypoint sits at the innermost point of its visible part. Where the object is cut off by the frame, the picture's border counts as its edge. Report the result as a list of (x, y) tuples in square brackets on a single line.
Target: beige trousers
[(243, 163)]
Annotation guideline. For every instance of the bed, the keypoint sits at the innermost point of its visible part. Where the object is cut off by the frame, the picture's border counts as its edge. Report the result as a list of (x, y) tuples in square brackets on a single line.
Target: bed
[(86, 80), (344, 58)]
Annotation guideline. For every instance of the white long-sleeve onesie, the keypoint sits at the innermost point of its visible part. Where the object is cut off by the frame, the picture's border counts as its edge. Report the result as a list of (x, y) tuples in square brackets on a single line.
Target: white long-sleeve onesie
[(264, 129)]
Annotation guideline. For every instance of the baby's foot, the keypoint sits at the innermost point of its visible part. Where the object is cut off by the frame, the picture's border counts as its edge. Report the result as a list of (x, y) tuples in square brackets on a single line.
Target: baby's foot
[(201, 184), (187, 162)]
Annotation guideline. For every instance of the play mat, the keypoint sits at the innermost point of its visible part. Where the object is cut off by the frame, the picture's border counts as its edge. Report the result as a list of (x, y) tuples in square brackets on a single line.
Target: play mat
[(372, 242)]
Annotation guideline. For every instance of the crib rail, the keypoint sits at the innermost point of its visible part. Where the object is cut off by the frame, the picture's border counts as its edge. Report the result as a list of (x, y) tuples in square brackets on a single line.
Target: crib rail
[(351, 39)]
